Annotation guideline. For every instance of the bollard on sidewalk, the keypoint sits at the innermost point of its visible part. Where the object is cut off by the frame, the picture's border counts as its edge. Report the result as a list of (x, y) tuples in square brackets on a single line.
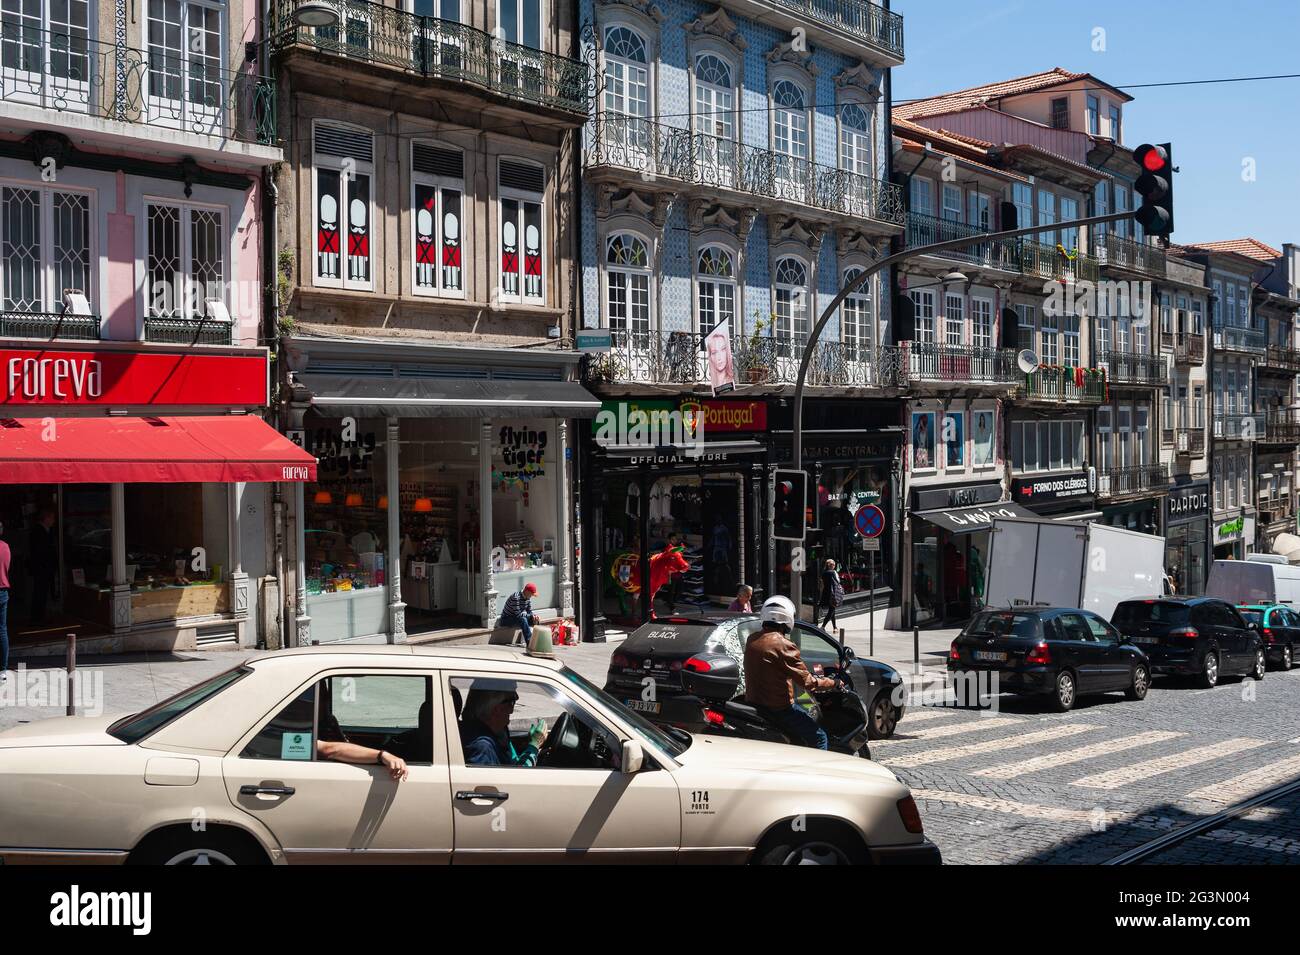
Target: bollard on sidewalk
[(72, 672), (916, 651)]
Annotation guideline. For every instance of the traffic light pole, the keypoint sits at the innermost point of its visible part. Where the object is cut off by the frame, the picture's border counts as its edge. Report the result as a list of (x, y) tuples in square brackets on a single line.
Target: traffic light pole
[(796, 578)]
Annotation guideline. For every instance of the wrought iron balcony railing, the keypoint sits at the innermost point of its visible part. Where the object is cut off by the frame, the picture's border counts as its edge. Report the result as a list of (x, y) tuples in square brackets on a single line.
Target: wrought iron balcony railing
[(70, 72), (937, 362), (1131, 479), (1127, 368), (1190, 440), (866, 21), (1233, 338), (427, 46), (651, 149), (1189, 349), (1274, 510), (1240, 427), (1049, 262), (995, 254), (187, 331), (1058, 383), (49, 326), (1283, 427), (1283, 358), (675, 358), (1125, 253)]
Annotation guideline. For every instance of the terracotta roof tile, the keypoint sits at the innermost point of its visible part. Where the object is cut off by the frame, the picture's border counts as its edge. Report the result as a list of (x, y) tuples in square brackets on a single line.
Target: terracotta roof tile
[(974, 95), (1251, 248)]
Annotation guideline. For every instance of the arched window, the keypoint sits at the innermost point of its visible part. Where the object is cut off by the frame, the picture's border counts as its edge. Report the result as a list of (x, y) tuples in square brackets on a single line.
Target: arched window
[(857, 317), (790, 120), (715, 279), (627, 75), (714, 96), (855, 139), (627, 285), (790, 285)]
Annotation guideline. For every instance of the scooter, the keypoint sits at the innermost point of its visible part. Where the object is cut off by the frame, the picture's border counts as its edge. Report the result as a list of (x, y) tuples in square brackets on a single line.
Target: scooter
[(840, 712)]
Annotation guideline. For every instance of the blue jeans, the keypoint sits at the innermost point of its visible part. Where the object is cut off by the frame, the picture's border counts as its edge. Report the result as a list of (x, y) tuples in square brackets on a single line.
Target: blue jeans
[(798, 725), (4, 630), (523, 623)]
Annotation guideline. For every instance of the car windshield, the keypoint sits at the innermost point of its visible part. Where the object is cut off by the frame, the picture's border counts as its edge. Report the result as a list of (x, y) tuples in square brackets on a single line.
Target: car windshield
[(132, 729), (1004, 625), (1139, 612), (1252, 616), (654, 734)]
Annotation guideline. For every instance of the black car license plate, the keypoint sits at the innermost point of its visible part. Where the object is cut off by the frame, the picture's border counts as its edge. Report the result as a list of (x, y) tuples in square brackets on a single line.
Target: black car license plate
[(990, 656), (643, 706)]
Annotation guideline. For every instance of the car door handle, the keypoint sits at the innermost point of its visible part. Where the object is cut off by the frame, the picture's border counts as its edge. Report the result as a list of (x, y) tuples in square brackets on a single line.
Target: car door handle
[(476, 794), (250, 790)]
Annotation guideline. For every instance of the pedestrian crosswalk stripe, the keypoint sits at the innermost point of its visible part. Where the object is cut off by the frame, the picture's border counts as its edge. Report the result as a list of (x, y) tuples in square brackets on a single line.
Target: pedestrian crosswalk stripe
[(989, 746), (1249, 784), (917, 714), (1068, 756), (1115, 778), (1023, 809), (936, 732)]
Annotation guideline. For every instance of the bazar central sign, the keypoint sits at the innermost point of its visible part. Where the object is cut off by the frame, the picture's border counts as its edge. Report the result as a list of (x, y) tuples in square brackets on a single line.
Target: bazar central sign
[(32, 377)]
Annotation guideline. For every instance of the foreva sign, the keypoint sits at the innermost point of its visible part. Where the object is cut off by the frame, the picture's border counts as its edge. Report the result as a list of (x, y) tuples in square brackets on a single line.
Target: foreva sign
[(32, 377)]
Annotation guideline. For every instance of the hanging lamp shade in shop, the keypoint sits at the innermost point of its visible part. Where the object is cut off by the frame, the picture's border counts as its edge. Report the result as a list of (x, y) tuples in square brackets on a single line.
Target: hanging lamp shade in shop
[(323, 497), (383, 502), (423, 505), (353, 499)]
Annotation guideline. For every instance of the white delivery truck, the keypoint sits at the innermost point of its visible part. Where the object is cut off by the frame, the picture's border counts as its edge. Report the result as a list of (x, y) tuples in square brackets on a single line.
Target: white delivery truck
[(1070, 564), (1259, 579)]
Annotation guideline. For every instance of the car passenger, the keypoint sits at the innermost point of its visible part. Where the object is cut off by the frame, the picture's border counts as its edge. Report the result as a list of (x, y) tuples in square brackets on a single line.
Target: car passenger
[(332, 743), (485, 730)]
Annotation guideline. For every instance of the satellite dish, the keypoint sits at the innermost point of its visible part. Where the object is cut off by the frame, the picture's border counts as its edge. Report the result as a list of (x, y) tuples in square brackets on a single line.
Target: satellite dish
[(1028, 362)]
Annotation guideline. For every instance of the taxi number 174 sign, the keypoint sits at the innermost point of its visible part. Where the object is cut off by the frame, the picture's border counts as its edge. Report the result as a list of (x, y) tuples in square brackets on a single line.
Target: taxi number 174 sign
[(869, 520)]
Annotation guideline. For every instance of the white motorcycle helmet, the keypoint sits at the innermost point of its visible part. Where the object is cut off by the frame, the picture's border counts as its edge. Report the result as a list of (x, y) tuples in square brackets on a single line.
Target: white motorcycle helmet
[(778, 610)]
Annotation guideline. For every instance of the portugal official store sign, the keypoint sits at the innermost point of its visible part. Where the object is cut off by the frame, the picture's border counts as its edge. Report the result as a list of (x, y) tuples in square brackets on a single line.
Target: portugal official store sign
[(32, 377)]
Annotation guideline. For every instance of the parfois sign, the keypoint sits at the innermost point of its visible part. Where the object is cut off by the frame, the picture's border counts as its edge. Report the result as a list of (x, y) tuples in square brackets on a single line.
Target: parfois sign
[(123, 379)]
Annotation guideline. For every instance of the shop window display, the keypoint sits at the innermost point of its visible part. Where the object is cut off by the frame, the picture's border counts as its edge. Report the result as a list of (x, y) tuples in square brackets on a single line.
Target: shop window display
[(841, 490), (346, 526)]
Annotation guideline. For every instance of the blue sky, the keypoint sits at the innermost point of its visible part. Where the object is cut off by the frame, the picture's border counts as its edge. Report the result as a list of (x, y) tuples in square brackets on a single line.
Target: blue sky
[(953, 44)]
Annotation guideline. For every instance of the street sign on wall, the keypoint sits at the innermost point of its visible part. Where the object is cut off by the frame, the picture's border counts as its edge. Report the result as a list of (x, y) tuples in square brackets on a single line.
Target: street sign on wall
[(869, 520)]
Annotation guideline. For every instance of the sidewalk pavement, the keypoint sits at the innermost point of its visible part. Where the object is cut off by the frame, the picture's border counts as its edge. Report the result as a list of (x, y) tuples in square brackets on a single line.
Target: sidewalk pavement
[(128, 683)]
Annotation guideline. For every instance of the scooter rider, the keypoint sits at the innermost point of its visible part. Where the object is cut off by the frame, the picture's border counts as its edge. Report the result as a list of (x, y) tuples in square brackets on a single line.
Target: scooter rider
[(773, 669)]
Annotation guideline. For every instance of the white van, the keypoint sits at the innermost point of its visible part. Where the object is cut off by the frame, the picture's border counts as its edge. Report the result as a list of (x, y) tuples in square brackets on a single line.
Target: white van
[(1258, 579)]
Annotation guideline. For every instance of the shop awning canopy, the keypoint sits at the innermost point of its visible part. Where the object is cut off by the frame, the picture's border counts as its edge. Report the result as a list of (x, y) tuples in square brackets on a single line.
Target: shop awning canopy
[(449, 397), (117, 449), (964, 520)]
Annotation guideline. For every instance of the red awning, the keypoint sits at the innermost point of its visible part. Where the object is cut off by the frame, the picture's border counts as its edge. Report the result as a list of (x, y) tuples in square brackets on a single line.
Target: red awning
[(108, 450)]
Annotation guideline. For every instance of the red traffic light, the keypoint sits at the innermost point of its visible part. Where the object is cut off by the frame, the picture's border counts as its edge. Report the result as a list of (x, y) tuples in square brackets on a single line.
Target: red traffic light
[(1151, 158)]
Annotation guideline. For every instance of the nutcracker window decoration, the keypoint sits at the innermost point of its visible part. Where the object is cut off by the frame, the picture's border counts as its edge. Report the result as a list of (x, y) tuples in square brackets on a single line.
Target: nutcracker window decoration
[(532, 250), (359, 233), (451, 252), (509, 247), (327, 225), (426, 248)]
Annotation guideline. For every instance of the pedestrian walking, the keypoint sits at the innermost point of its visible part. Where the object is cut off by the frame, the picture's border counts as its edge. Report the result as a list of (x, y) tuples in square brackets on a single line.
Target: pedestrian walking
[(832, 592)]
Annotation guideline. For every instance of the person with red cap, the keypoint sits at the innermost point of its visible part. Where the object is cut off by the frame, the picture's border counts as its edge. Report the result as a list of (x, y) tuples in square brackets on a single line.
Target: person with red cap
[(518, 612)]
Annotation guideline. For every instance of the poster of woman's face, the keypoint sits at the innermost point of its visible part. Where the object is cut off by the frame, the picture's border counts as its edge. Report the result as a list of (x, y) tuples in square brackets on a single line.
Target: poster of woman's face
[(954, 437), (923, 439), (982, 439)]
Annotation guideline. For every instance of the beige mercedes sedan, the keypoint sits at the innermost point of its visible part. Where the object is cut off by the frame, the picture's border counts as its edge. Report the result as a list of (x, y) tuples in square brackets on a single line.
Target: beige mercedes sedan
[(420, 754)]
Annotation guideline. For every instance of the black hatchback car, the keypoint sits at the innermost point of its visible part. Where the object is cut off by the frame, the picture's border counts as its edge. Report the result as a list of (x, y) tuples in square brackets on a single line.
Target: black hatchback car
[(1202, 637), (1060, 653), (708, 649)]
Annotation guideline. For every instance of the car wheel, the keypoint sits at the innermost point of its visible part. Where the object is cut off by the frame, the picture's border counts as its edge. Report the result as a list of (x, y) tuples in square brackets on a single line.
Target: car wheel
[(1261, 664), (1064, 696), (1210, 670), (211, 848), (1141, 683), (811, 850), (1286, 658), (882, 718)]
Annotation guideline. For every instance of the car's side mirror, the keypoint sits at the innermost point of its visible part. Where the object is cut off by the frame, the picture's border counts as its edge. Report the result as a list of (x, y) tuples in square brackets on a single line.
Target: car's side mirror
[(849, 655), (633, 756)]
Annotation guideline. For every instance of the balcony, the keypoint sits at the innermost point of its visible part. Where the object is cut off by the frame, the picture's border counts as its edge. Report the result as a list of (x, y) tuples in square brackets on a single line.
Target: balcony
[(877, 26), (48, 326), (1282, 426), (1049, 262), (1190, 441), (1121, 252), (442, 49), (1282, 358), (1275, 511), (997, 254), (958, 364), (1132, 479), (1056, 383), (1127, 368), (74, 74), (187, 331), (1233, 338), (675, 358), (648, 151), (1189, 349), (1240, 427)]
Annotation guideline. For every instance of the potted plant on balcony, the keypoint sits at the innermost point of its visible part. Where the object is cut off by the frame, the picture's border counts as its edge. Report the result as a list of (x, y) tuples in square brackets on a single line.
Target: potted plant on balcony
[(756, 371)]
